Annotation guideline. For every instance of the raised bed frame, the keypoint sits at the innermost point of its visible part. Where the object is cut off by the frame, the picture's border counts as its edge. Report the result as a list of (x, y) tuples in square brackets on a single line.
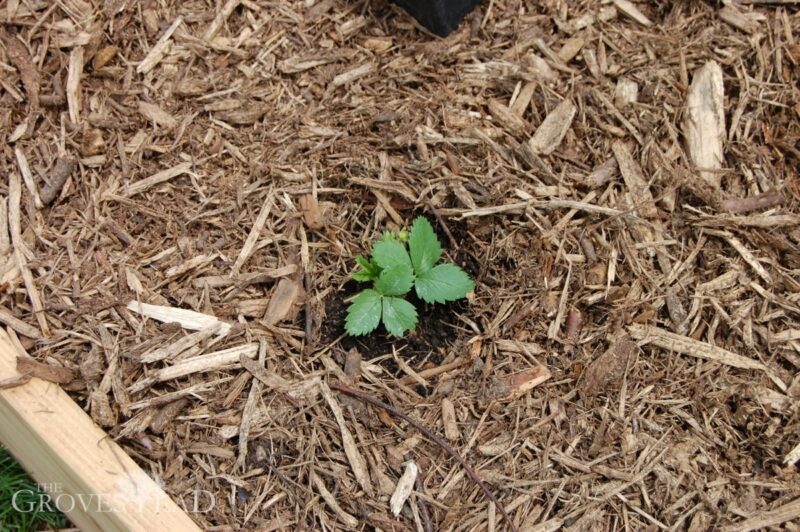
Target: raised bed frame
[(87, 475)]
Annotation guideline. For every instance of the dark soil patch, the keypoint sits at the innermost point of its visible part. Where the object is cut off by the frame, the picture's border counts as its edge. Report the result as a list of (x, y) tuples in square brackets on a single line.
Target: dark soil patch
[(437, 326)]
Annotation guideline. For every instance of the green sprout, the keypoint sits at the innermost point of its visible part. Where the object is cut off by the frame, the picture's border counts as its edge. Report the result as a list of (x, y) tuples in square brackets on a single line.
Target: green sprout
[(394, 271)]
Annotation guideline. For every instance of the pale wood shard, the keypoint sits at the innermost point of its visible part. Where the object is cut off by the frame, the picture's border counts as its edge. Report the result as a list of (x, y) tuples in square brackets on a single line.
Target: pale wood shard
[(571, 48), (189, 265), (691, 347), (188, 319), (704, 124), (635, 180), (793, 456), (554, 128), (18, 325), (783, 514), (404, 488), (449, 420), (527, 380), (252, 237), (626, 92), (159, 50), (156, 114), (174, 349), (282, 301), (746, 22), (60, 446), (330, 500), (523, 99), (353, 74), (745, 253), (506, 118), (630, 9), (220, 18), (250, 407), (156, 179), (21, 252), (201, 364), (73, 89), (357, 462), (27, 177)]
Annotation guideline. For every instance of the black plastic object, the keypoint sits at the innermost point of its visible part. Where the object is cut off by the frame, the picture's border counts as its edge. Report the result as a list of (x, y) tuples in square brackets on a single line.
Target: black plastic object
[(439, 16)]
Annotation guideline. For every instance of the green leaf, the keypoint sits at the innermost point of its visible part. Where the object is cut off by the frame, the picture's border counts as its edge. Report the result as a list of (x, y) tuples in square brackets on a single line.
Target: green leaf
[(399, 315), (364, 313), (388, 253), (425, 247), (369, 270), (445, 282), (395, 281)]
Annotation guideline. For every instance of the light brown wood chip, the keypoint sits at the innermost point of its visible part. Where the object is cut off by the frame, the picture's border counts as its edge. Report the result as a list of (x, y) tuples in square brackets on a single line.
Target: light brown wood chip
[(357, 462), (704, 125), (691, 347), (554, 128)]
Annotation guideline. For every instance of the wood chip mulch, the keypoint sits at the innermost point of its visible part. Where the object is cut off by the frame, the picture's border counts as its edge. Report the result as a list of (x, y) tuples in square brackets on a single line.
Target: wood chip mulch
[(186, 186)]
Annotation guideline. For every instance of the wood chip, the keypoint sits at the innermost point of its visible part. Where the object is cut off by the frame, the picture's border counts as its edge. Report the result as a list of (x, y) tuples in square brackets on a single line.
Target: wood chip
[(608, 368), (449, 420), (252, 236), (159, 50), (704, 125), (156, 179), (188, 319), (283, 299), (691, 347), (404, 488), (174, 349), (635, 180), (156, 114), (630, 9), (554, 128), (357, 462), (48, 372), (74, 73), (330, 500)]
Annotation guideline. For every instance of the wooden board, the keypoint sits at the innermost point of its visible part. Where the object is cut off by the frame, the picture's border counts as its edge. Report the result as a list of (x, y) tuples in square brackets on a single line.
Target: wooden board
[(76, 461)]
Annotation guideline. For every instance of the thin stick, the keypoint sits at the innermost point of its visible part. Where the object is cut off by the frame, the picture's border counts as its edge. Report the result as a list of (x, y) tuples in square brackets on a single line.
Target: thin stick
[(367, 398)]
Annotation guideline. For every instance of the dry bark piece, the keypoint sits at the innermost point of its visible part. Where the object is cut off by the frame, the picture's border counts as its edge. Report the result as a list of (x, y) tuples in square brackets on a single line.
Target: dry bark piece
[(165, 416), (156, 114), (104, 56), (61, 171), (18, 54), (282, 301), (449, 420), (354, 456), (630, 9), (93, 142), (48, 372), (159, 50), (607, 368), (312, 213), (553, 130), (506, 118), (704, 125), (635, 181)]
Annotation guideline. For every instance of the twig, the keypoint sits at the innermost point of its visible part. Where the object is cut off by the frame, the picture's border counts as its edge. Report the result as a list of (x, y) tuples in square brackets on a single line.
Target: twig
[(367, 398)]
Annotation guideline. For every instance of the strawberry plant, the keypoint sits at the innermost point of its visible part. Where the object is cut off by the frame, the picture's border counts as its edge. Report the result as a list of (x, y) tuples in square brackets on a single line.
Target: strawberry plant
[(399, 262)]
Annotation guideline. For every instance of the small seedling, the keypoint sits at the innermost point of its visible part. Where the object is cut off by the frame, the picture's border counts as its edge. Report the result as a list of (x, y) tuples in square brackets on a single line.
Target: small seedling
[(394, 271)]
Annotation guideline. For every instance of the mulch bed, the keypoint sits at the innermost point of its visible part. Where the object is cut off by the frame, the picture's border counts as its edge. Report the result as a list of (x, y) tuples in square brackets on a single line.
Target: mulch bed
[(629, 358)]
